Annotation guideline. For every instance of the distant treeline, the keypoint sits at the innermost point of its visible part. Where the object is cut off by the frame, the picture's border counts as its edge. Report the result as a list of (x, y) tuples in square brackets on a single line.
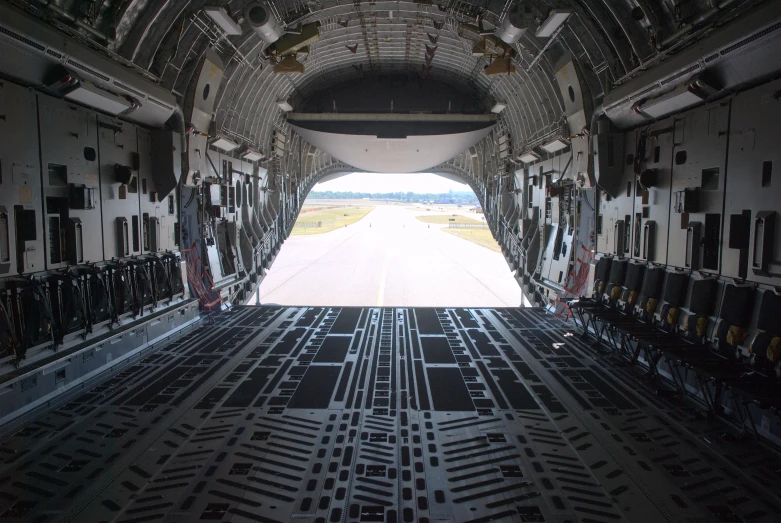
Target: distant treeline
[(459, 197)]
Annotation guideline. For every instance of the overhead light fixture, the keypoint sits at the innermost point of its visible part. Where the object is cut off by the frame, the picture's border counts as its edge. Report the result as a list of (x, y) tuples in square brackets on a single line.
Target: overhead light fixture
[(223, 20), (92, 96), (555, 20), (498, 107), (679, 98), (252, 156), (555, 145), (528, 157), (224, 144), (284, 105)]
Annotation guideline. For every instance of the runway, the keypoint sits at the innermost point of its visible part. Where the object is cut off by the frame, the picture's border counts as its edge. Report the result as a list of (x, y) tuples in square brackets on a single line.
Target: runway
[(389, 258)]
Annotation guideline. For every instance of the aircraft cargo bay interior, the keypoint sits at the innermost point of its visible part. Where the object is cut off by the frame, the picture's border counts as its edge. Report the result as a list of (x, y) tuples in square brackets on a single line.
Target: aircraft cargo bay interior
[(595, 336)]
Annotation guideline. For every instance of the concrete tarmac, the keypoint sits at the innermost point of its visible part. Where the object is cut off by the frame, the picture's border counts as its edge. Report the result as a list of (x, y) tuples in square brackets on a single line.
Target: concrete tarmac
[(389, 258)]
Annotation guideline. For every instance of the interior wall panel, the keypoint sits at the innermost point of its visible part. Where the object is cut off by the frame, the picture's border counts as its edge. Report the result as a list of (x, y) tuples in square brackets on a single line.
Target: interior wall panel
[(70, 178), (158, 214), (754, 186), (698, 172), (655, 207), (21, 209), (121, 202)]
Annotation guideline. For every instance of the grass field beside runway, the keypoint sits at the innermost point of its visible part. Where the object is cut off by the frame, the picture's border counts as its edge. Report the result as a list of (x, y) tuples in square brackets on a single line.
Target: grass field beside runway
[(481, 237), (330, 219)]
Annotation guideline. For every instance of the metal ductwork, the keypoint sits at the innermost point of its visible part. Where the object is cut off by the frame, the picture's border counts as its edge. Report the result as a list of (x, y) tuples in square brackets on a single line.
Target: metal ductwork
[(46, 54), (515, 25), (262, 20), (742, 52)]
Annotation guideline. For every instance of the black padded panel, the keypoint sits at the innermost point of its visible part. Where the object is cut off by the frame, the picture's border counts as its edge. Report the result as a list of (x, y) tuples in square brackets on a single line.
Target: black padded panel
[(703, 297), (617, 272), (675, 288), (602, 269), (652, 283), (770, 313), (737, 305), (634, 276)]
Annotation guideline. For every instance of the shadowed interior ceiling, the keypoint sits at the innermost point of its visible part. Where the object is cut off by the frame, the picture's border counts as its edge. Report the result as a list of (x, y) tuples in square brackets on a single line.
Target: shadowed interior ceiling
[(402, 47), (610, 39)]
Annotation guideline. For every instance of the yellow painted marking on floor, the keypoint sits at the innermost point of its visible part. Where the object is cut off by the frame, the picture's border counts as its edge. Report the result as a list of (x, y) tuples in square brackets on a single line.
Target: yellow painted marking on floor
[(381, 291)]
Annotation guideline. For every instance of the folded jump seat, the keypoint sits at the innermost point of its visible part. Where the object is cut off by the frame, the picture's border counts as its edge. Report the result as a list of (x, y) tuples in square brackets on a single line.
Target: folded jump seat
[(99, 298), (732, 330), (578, 305), (642, 309), (648, 334), (703, 296), (31, 311), (601, 274), (8, 339), (720, 364), (623, 301), (122, 289), (161, 279), (143, 294), (610, 289), (761, 386), (69, 307), (651, 292), (174, 273), (689, 343)]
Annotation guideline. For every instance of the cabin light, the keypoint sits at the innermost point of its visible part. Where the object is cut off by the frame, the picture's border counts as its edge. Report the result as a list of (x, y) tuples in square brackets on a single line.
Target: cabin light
[(252, 156), (224, 144), (284, 105), (555, 20), (554, 145), (223, 20), (679, 98), (92, 96), (528, 157), (498, 107)]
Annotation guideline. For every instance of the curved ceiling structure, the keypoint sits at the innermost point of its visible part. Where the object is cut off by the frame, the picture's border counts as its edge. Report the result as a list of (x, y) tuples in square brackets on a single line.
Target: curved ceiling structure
[(455, 43), (611, 40)]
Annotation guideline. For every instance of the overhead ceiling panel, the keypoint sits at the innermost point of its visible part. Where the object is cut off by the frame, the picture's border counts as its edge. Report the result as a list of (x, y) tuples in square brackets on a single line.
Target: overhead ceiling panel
[(398, 155)]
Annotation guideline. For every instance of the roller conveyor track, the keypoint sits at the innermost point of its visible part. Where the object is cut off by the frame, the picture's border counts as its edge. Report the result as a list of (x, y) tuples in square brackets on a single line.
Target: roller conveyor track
[(279, 414)]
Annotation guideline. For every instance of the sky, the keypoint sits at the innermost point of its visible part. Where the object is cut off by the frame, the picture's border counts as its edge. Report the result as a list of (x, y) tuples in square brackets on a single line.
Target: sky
[(388, 182)]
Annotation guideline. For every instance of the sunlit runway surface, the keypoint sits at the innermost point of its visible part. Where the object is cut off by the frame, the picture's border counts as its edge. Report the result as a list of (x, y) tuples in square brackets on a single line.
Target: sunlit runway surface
[(389, 258)]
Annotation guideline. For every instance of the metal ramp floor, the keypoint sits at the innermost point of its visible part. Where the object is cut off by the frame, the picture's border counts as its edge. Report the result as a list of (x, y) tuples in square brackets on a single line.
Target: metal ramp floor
[(328, 414)]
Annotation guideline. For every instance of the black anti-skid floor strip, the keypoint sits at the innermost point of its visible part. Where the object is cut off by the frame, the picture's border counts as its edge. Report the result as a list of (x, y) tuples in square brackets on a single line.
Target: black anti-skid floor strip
[(278, 414)]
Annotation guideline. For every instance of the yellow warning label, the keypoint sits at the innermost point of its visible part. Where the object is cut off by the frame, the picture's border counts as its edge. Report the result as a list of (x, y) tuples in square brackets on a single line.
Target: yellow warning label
[(25, 194)]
